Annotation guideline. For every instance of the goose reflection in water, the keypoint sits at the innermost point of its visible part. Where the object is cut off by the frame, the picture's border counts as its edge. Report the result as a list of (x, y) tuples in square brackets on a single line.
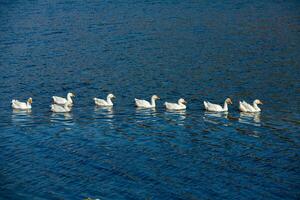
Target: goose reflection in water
[(105, 114), (145, 111), (21, 117), (220, 118), (148, 114), (177, 116), (62, 118), (250, 118)]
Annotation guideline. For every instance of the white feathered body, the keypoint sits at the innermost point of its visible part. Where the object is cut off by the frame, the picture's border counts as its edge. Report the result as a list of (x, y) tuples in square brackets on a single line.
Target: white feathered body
[(20, 105), (62, 101), (175, 106), (143, 103), (246, 107), (214, 107), (102, 102)]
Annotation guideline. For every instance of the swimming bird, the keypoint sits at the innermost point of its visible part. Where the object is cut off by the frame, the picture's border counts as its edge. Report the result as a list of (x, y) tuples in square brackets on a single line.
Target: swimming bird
[(15, 104), (60, 108), (63, 101), (245, 107), (217, 108), (107, 102), (146, 104), (181, 105)]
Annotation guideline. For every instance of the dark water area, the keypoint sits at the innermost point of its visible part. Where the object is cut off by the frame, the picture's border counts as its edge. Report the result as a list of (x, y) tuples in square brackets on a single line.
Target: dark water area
[(197, 50)]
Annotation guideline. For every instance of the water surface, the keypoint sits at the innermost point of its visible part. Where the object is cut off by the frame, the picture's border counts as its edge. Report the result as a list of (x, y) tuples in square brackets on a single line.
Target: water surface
[(198, 50)]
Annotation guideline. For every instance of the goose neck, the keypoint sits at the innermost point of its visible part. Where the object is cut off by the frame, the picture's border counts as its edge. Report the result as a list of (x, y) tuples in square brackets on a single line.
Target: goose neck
[(108, 99), (256, 106), (69, 99), (153, 102), (225, 108)]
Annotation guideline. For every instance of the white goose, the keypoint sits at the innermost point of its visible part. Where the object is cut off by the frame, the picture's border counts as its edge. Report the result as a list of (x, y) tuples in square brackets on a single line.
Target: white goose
[(63, 101), (181, 105), (146, 104), (107, 102), (217, 108), (15, 104), (245, 107), (60, 108)]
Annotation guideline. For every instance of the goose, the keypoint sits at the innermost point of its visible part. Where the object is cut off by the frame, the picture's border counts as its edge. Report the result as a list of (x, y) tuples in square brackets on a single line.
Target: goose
[(102, 102), (60, 108), (245, 107), (217, 108), (21, 105), (181, 105), (63, 101), (146, 104)]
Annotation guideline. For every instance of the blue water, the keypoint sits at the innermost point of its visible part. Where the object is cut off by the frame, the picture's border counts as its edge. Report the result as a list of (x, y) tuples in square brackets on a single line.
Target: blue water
[(198, 50)]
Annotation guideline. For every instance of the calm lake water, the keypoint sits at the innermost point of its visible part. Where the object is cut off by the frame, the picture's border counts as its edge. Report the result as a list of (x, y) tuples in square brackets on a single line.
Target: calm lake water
[(198, 50)]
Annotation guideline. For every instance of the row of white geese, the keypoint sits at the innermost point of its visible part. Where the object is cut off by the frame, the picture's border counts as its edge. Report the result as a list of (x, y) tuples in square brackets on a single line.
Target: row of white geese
[(64, 105)]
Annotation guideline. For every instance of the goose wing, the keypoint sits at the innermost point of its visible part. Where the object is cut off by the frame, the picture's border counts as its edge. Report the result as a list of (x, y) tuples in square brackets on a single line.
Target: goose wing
[(59, 100), (242, 107), (142, 103), (18, 104), (213, 107), (100, 102), (172, 106), (248, 107)]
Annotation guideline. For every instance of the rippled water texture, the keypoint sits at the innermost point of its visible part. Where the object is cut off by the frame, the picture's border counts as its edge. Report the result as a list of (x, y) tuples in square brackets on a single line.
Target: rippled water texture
[(198, 50)]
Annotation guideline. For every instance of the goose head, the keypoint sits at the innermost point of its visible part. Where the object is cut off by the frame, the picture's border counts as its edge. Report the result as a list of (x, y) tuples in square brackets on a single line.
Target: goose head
[(181, 101), (111, 96), (228, 101), (29, 100), (257, 101), (70, 94), (155, 97)]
